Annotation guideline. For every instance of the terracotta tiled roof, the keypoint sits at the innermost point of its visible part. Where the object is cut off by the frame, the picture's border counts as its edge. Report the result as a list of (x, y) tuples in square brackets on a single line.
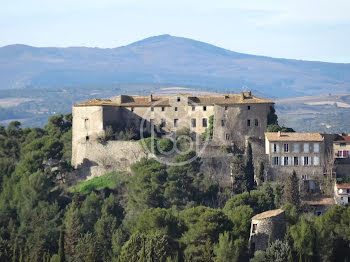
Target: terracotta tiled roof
[(266, 214), (345, 185), (163, 100), (345, 139), (292, 136)]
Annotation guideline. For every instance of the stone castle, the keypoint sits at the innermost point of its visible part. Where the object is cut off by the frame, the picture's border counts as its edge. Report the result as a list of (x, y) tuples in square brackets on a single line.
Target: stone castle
[(237, 117)]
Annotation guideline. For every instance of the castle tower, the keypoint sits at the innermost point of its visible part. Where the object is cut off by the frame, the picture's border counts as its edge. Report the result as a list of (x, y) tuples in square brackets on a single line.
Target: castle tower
[(267, 227)]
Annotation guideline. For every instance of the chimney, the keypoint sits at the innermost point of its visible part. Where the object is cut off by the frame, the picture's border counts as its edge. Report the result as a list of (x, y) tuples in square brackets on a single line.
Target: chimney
[(279, 133), (150, 98), (250, 93)]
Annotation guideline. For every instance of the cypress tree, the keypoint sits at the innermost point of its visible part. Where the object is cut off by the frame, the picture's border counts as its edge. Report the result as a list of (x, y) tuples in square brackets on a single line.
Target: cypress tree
[(249, 167), (260, 175), (62, 257), (239, 183), (291, 191)]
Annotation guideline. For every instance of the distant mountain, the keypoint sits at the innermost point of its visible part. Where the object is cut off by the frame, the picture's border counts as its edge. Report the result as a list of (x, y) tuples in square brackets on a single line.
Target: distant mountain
[(169, 59)]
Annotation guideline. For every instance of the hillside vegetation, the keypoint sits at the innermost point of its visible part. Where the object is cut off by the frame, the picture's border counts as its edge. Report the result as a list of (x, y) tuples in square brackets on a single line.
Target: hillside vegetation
[(155, 213)]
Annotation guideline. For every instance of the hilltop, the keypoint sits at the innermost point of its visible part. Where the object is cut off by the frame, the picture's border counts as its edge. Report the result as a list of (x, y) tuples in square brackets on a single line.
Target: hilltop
[(168, 59)]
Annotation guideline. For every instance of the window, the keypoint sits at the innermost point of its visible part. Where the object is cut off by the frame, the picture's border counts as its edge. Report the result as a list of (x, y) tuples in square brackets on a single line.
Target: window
[(306, 148), (162, 122), (86, 122), (296, 148), (274, 148), (286, 148), (255, 226), (316, 160), (306, 160), (204, 122), (275, 161), (152, 108), (163, 108), (87, 138), (340, 153), (316, 147), (296, 161), (176, 122), (204, 108), (175, 108), (248, 122), (193, 122), (178, 99), (285, 161), (193, 108), (256, 122), (341, 198), (222, 122), (248, 107), (225, 108), (227, 136)]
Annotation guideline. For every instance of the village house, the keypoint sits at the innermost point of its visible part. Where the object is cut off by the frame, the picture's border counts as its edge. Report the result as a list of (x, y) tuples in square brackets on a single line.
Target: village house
[(342, 193), (341, 149), (301, 152)]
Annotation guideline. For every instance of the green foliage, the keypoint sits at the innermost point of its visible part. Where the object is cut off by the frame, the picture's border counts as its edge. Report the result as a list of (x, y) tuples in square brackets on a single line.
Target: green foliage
[(202, 223), (278, 251), (145, 247), (109, 180), (228, 249), (260, 176), (272, 118), (156, 145), (277, 128), (249, 167), (291, 190), (147, 184), (209, 131), (238, 175)]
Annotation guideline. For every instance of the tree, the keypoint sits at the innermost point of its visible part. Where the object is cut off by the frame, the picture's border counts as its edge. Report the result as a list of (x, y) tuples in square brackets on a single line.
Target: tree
[(228, 249), (61, 254), (260, 176), (202, 223), (147, 184), (278, 251), (291, 190), (239, 183), (249, 167), (272, 118)]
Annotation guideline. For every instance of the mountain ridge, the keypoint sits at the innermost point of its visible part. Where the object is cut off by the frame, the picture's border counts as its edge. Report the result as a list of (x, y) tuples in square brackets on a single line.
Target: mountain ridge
[(169, 59)]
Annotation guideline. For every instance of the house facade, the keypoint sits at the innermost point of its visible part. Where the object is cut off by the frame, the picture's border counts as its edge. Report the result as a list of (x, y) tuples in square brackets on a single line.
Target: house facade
[(341, 152), (342, 193), (288, 151)]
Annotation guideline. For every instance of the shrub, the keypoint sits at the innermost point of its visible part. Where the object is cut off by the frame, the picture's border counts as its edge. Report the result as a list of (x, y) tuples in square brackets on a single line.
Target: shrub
[(156, 145)]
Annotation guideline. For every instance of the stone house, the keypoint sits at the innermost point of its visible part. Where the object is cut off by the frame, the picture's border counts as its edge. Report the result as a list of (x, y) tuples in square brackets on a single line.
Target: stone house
[(342, 193), (341, 149), (237, 117), (302, 152), (266, 227)]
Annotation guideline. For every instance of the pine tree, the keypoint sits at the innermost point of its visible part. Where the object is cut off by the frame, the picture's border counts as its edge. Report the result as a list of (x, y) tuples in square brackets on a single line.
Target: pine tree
[(74, 228), (291, 191), (239, 183), (249, 167), (62, 257), (260, 175)]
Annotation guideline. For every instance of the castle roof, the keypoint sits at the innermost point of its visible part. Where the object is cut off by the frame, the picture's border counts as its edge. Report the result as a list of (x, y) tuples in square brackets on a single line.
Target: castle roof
[(164, 100), (342, 138), (293, 137), (266, 214)]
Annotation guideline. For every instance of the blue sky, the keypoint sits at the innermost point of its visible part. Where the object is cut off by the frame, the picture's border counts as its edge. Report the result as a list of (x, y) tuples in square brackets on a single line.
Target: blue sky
[(300, 29)]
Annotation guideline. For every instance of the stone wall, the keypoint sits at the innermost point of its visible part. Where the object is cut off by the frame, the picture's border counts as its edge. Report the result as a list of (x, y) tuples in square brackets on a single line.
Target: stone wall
[(265, 228), (94, 159)]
